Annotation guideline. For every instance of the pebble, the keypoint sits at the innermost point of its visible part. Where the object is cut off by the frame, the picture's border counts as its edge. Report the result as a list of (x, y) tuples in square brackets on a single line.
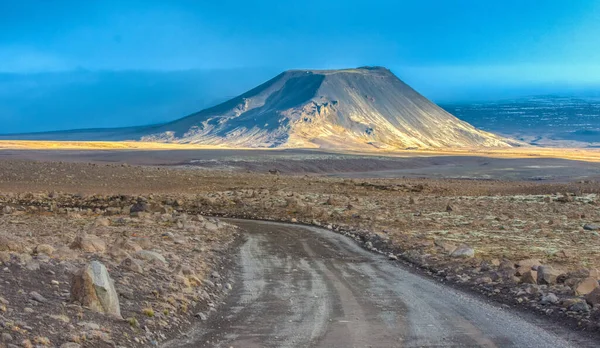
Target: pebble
[(37, 297)]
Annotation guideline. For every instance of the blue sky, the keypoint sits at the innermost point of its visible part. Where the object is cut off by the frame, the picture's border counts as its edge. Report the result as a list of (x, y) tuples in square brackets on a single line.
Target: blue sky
[(445, 48)]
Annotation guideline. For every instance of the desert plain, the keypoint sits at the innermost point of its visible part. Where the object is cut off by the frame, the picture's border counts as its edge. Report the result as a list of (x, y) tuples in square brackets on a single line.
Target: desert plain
[(520, 229)]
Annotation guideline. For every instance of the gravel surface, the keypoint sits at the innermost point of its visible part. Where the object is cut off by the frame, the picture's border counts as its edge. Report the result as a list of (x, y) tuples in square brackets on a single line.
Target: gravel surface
[(307, 287)]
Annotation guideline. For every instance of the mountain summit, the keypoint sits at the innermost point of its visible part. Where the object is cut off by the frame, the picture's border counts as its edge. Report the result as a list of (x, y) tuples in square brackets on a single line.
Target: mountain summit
[(349, 108)]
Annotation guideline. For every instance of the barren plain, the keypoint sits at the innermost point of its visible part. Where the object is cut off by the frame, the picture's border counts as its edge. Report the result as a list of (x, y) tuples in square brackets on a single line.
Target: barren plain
[(520, 232)]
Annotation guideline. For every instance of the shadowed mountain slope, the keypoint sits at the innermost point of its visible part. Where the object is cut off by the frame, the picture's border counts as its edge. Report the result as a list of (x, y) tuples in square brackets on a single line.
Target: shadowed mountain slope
[(352, 109)]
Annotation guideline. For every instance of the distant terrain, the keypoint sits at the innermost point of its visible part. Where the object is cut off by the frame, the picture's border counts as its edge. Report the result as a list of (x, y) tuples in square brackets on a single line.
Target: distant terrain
[(547, 120), (364, 108)]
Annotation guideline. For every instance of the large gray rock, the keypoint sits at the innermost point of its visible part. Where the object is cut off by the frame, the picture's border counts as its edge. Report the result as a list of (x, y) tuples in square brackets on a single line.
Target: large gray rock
[(93, 288)]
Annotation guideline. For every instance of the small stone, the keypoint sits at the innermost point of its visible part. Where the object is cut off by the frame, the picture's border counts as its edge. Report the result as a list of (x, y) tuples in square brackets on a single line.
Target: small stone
[(549, 299), (148, 255), (89, 243), (463, 251), (70, 345), (37, 297), (446, 246), (44, 249), (60, 317), (202, 316), (102, 222), (133, 265), (89, 325), (579, 307), (591, 227), (6, 337)]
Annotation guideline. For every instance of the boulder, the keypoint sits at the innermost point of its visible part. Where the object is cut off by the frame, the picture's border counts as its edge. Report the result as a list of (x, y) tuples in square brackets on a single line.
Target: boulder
[(547, 275), (527, 265), (586, 286), (93, 288), (529, 277), (593, 298), (89, 243)]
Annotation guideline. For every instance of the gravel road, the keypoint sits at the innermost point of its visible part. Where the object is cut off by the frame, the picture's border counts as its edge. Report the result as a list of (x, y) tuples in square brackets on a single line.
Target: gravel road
[(307, 287)]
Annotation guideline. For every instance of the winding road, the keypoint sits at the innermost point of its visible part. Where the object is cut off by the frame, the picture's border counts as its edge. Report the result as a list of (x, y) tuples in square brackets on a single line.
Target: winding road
[(301, 286)]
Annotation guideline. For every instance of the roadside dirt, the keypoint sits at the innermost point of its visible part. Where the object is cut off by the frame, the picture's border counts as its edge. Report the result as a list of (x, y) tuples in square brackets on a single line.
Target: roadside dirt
[(166, 269)]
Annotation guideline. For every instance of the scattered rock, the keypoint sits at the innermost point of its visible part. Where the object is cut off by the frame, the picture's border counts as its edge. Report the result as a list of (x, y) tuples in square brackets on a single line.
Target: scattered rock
[(6, 337), (89, 243), (11, 244), (547, 275), (448, 247), (593, 298), (529, 277), (550, 298), (586, 286), (580, 306), (70, 345), (527, 265), (36, 296), (102, 222), (463, 251), (93, 288), (133, 265), (591, 227), (45, 249), (148, 255)]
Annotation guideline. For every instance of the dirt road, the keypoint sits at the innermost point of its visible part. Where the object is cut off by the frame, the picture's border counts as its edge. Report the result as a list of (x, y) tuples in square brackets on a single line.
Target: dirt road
[(307, 287)]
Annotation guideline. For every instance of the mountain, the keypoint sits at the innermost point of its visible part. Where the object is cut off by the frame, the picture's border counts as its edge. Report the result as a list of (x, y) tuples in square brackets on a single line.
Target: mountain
[(351, 108)]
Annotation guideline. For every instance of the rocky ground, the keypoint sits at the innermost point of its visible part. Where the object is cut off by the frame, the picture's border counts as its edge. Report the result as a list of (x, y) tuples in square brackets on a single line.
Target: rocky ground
[(106, 276), (529, 245)]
